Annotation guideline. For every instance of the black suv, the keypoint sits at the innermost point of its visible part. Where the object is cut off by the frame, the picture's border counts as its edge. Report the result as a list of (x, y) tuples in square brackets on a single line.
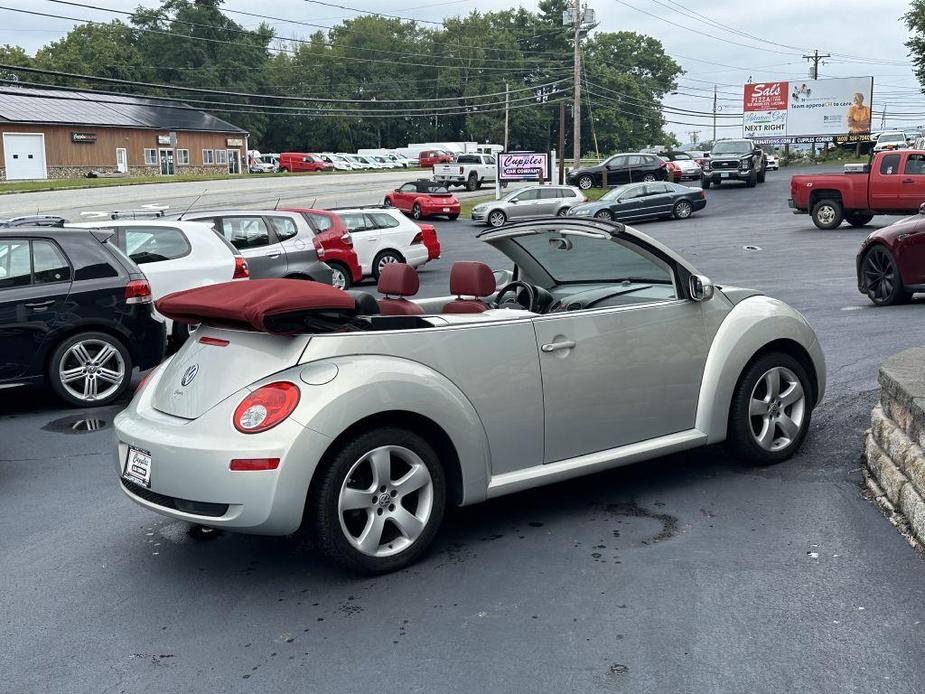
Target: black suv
[(75, 313), (735, 160), (619, 169)]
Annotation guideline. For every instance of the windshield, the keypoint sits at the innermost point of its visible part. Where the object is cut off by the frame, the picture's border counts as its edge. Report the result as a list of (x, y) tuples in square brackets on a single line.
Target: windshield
[(892, 137), (577, 258), (732, 147), (613, 193)]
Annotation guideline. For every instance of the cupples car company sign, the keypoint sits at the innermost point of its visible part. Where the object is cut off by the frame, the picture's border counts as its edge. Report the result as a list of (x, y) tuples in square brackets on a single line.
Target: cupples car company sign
[(523, 166)]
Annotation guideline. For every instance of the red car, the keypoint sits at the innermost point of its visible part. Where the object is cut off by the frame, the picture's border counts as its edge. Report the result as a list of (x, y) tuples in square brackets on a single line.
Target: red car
[(892, 183), (333, 244), (300, 161), (423, 198), (430, 240), (432, 157), (674, 172), (891, 263)]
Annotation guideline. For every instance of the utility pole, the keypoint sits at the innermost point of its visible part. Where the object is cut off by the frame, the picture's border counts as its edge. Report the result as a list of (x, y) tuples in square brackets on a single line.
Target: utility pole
[(714, 113), (576, 108), (507, 111), (816, 58), (883, 118), (562, 142), (694, 135)]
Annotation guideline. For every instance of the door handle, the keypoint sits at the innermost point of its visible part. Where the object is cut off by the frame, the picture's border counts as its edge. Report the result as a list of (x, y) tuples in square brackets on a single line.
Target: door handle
[(273, 254), (908, 180), (558, 346), (40, 304)]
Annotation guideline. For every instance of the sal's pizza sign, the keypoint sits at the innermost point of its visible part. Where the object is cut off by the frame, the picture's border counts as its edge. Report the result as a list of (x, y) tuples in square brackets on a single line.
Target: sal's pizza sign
[(768, 96)]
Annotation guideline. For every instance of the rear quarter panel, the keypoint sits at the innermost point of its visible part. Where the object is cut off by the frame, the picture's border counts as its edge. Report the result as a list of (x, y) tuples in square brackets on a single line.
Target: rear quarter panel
[(806, 190)]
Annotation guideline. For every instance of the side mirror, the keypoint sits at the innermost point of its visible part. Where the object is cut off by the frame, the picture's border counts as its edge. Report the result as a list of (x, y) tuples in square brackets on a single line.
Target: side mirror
[(701, 288), (922, 208)]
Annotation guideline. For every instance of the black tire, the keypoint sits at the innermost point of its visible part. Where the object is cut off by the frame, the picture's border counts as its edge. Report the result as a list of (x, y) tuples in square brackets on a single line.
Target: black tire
[(61, 358), (416, 211), (283, 169), (180, 334), (705, 183), (740, 438), (858, 220), (752, 180), (323, 503), (387, 202), (389, 256), (827, 214), (682, 209), (881, 279), (585, 182), (761, 175), (344, 272), (452, 217), (604, 215), (496, 218), (472, 182)]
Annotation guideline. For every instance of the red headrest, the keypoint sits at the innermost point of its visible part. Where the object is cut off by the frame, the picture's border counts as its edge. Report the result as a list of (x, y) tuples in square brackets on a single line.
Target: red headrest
[(270, 305), (469, 278), (398, 279)]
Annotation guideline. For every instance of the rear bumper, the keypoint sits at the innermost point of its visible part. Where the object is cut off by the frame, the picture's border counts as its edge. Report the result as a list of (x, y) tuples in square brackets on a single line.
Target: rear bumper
[(793, 206), (438, 210)]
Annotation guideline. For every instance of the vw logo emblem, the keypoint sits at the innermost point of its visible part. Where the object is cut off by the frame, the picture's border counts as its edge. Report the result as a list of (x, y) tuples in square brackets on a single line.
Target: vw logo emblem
[(189, 374)]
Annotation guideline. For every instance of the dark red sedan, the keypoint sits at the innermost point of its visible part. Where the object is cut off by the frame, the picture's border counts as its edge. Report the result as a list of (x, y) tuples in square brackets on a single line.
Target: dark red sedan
[(422, 199), (334, 245), (891, 262)]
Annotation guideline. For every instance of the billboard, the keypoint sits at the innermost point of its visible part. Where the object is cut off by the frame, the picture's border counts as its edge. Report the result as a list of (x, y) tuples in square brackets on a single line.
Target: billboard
[(808, 110), (523, 166)]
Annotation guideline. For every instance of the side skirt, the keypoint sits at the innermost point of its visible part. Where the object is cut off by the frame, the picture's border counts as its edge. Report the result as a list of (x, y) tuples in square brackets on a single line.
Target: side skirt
[(539, 475)]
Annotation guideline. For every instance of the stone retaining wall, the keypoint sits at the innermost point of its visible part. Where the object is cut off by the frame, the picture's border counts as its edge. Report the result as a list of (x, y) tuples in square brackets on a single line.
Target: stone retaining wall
[(895, 442)]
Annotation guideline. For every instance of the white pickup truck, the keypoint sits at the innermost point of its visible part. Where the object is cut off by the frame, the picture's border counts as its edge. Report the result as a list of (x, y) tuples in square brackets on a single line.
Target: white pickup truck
[(469, 170)]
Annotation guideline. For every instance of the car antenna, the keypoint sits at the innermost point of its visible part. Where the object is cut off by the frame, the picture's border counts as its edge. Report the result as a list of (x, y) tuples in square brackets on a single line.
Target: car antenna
[(193, 203), (276, 206)]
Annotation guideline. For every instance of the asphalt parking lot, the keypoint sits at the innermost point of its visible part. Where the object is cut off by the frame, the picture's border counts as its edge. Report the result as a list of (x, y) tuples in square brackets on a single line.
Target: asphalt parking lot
[(691, 573)]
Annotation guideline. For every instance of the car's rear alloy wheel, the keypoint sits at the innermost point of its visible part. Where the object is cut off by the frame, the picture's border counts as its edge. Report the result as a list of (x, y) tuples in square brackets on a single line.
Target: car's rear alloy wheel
[(379, 503), (563, 211), (90, 369), (604, 215), (472, 183), (497, 218), (771, 409), (649, 178), (340, 277), (827, 214), (383, 259), (880, 278), (416, 211), (585, 182), (682, 209)]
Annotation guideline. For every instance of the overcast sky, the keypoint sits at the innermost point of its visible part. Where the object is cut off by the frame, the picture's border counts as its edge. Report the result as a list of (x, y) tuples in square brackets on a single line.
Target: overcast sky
[(870, 30)]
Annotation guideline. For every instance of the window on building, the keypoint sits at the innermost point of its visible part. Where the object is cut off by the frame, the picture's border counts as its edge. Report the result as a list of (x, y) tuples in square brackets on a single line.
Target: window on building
[(208, 157), (221, 156), (183, 157), (151, 157)]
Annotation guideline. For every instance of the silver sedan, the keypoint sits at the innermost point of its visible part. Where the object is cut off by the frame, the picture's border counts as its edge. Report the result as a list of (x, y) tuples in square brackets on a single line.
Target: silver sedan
[(528, 203), (608, 349)]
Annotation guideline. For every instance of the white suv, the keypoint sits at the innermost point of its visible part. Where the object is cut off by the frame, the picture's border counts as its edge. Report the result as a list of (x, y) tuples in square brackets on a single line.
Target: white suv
[(382, 236), (175, 256)]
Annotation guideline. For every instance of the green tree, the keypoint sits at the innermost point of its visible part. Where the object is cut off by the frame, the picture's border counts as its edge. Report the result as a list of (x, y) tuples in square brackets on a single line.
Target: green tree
[(915, 21)]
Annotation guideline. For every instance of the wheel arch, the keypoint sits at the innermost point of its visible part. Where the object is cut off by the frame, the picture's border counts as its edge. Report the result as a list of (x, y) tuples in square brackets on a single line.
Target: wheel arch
[(825, 194), (754, 327)]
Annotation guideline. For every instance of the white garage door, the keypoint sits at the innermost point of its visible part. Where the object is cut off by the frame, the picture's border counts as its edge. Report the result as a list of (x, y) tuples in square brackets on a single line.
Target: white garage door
[(24, 156)]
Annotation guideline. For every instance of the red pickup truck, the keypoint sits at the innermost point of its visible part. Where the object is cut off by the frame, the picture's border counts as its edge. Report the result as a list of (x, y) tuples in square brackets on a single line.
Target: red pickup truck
[(892, 183)]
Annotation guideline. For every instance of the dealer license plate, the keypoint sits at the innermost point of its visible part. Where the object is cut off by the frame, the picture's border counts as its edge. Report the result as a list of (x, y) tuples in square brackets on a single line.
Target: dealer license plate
[(138, 467), (446, 209), (724, 175)]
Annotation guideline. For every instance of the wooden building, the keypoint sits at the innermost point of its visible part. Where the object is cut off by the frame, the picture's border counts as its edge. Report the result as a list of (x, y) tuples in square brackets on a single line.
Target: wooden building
[(53, 133)]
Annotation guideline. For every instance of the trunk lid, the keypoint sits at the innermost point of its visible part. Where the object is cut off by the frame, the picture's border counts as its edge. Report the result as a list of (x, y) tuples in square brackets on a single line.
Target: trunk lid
[(215, 363)]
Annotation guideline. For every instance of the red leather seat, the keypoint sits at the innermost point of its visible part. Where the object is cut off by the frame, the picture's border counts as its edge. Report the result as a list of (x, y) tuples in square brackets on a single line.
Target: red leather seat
[(470, 278), (397, 281)]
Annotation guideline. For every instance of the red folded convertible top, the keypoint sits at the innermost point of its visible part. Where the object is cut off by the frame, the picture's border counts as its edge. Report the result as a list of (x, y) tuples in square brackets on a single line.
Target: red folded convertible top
[(269, 305)]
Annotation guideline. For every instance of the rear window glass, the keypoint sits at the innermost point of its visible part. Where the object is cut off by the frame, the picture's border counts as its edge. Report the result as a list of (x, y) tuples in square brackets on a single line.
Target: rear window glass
[(246, 232), (155, 244), (889, 165), (15, 267), (284, 227), (321, 222), (381, 220), (354, 221), (48, 263)]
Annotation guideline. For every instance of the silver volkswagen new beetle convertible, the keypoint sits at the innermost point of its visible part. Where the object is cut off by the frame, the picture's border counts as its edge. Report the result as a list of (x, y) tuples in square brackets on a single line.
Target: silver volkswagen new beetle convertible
[(363, 418)]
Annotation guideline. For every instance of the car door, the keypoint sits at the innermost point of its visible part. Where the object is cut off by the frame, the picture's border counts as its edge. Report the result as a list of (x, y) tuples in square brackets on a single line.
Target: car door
[(365, 237), (253, 237), (295, 237), (547, 201), (405, 196), (621, 374), (885, 187), (524, 204), (659, 199), (912, 183), (35, 281), (630, 205), (617, 170)]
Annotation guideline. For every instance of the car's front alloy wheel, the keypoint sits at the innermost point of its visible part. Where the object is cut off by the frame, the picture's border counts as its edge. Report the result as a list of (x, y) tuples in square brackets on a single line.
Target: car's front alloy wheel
[(880, 278), (604, 215), (497, 218), (90, 369), (383, 259), (585, 182), (379, 503), (770, 410)]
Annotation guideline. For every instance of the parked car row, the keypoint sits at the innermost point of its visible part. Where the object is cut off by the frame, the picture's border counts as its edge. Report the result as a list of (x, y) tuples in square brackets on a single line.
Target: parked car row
[(363, 160)]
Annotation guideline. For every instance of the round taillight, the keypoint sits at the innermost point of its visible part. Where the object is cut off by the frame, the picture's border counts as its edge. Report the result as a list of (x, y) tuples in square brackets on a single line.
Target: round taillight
[(266, 407)]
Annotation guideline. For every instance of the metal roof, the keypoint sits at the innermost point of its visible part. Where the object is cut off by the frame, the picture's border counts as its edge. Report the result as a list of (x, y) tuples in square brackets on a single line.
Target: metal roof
[(65, 107)]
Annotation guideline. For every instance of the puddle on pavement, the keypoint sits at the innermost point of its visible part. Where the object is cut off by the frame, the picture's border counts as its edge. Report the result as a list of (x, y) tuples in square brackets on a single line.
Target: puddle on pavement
[(76, 424)]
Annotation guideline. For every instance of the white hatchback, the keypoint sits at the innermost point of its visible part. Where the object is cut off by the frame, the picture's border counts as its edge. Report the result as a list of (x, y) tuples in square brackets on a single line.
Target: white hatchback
[(382, 236), (175, 256)]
